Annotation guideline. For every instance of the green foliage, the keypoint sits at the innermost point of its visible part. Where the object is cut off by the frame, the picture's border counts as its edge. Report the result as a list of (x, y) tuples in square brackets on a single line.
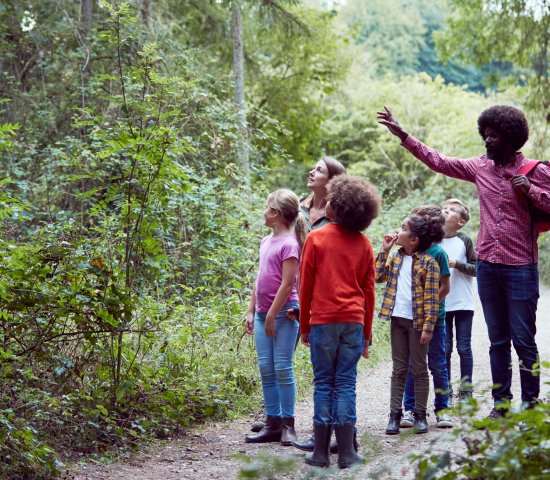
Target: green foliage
[(522, 32), (289, 77), (514, 447), (23, 454), (129, 271), (396, 38), (389, 31), (544, 258), (7, 130), (266, 466)]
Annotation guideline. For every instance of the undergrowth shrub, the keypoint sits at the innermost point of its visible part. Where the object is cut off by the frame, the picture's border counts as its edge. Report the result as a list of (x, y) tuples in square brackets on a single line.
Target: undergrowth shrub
[(513, 447)]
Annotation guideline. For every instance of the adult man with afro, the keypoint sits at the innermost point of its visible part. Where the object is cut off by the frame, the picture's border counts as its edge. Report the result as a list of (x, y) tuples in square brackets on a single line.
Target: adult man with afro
[(506, 247)]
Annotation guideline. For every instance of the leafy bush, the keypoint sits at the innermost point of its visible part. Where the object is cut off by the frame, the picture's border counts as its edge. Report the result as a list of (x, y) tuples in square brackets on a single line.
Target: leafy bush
[(513, 447), (120, 285)]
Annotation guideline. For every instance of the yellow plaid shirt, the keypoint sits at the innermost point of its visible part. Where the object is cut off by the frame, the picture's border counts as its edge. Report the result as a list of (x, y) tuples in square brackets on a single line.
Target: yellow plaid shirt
[(425, 287)]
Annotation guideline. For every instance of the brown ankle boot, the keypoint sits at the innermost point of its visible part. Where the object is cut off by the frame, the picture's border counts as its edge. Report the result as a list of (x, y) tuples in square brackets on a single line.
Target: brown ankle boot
[(288, 434), (270, 433)]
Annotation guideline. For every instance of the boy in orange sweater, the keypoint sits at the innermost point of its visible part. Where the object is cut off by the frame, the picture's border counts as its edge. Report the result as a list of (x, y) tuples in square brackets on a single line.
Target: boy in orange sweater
[(336, 310)]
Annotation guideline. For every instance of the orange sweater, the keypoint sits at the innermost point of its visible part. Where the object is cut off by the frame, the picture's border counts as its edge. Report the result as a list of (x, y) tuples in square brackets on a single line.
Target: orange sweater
[(336, 279)]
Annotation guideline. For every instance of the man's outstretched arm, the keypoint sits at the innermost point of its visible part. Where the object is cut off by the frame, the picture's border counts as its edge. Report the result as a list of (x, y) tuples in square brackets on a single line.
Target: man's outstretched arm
[(452, 167), (386, 118)]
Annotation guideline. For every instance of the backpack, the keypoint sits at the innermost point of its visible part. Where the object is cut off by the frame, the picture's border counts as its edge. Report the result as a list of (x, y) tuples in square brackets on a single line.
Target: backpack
[(539, 218)]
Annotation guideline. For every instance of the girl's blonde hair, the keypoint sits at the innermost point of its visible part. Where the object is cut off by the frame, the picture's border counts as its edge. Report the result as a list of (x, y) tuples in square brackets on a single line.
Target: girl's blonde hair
[(288, 203)]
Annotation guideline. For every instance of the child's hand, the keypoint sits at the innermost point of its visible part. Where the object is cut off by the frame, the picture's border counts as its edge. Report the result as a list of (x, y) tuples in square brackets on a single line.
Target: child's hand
[(366, 352), (425, 338), (305, 339), (452, 263), (293, 313), (270, 325), (389, 240), (249, 323)]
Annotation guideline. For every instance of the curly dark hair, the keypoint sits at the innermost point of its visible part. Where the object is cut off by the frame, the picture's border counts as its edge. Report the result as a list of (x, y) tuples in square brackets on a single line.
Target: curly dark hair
[(355, 201), (509, 121), (433, 211), (426, 228)]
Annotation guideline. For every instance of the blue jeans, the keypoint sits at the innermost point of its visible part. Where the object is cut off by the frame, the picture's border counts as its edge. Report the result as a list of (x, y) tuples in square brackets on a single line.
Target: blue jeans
[(509, 295), (275, 355), (437, 365), (335, 350), (463, 320)]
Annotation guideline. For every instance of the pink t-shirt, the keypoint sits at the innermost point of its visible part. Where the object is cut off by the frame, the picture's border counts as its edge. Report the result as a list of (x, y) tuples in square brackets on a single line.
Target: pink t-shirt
[(273, 252)]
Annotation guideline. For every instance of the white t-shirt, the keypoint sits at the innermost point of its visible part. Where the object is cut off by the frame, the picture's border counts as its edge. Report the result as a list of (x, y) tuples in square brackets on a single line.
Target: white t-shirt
[(403, 297), (461, 296)]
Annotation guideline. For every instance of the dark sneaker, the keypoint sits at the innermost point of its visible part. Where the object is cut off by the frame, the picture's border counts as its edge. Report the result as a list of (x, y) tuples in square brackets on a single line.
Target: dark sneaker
[(497, 413)]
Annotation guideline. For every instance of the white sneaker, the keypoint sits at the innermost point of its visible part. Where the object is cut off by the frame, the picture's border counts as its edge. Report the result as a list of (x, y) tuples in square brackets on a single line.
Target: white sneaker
[(444, 420), (407, 420)]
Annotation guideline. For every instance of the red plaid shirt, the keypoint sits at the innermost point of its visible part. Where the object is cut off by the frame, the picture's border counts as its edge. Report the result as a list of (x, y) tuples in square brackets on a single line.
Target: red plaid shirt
[(505, 234)]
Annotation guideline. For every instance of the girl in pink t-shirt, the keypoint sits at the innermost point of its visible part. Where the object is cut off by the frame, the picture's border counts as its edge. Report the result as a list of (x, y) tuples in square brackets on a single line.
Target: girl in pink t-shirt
[(273, 294)]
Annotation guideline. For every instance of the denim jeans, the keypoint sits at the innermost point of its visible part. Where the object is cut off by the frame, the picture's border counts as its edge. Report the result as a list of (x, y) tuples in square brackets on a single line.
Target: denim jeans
[(275, 355), (335, 350), (462, 320), (437, 364), (509, 296), (405, 348)]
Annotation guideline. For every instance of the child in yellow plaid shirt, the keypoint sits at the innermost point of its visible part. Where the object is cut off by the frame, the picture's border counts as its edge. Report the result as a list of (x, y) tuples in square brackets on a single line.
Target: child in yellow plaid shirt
[(411, 302)]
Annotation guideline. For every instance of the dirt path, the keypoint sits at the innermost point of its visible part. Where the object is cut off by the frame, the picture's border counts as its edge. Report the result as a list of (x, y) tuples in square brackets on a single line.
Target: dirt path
[(208, 452)]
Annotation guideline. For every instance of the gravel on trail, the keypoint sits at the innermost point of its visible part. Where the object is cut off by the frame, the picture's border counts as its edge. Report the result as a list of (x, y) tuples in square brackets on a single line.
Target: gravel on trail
[(209, 451)]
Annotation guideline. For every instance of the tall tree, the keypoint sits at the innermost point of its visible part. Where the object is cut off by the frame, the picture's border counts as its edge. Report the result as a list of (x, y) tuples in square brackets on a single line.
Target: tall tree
[(86, 13), (238, 78), (271, 12), (86, 21), (145, 12)]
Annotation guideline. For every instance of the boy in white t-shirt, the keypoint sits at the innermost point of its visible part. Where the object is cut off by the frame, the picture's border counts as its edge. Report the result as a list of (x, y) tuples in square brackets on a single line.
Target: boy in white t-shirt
[(460, 300)]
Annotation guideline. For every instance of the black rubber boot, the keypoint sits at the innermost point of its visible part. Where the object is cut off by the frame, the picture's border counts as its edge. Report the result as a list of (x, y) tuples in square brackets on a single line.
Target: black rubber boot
[(288, 434), (395, 420), (320, 456), (270, 433), (347, 456), (259, 421), (307, 445), (334, 445), (257, 426), (420, 422)]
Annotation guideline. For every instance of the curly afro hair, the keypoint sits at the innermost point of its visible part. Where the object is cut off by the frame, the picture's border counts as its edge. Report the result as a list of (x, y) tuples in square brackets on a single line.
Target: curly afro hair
[(355, 201), (435, 212), (426, 228), (509, 121)]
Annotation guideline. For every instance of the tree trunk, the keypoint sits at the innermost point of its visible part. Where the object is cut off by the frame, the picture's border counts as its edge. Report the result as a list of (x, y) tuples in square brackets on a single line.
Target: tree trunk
[(145, 9), (86, 22), (86, 12), (238, 77)]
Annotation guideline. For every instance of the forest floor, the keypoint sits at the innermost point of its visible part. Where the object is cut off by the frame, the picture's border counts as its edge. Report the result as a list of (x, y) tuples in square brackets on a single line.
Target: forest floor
[(208, 451)]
